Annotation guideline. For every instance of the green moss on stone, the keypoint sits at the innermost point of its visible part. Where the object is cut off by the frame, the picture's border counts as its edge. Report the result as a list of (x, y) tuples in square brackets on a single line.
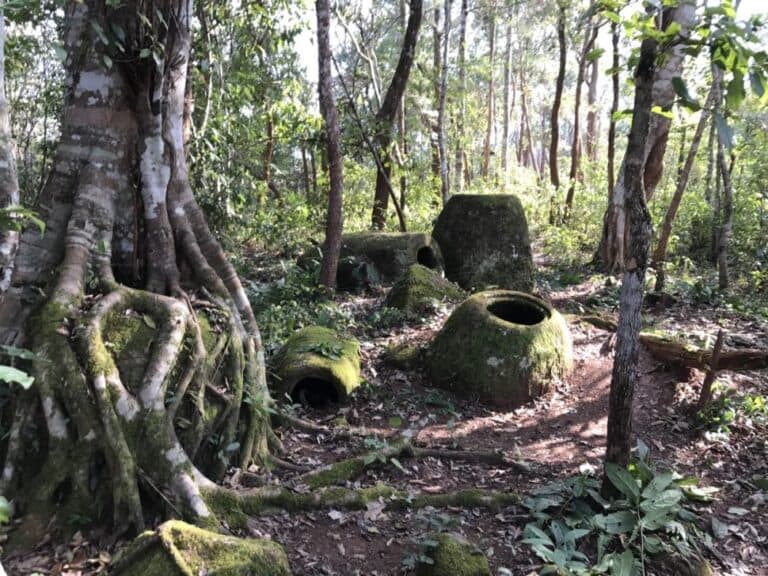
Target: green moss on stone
[(419, 289), (454, 556), (317, 354), (336, 473), (176, 548), (484, 241), (392, 253), (404, 356), (502, 347)]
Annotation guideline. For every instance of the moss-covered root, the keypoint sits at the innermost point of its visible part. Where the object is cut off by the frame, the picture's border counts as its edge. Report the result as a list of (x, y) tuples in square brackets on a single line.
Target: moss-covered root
[(176, 548), (453, 556), (349, 469), (235, 508)]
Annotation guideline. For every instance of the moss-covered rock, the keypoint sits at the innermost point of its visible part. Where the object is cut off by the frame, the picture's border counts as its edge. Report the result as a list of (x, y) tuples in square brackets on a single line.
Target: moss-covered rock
[(454, 556), (179, 549), (404, 356), (502, 347), (484, 242), (392, 253), (316, 366), (419, 288)]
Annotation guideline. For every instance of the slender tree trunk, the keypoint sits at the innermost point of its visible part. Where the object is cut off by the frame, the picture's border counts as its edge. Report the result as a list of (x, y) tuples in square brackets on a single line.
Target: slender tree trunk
[(269, 151), (491, 96), (335, 220), (594, 74), (436, 87), (386, 114), (554, 176), (507, 108), (9, 182), (614, 109), (630, 312), (402, 125), (660, 254), (313, 166), (404, 153), (589, 42), (610, 254), (445, 183), (462, 71), (305, 173), (724, 234)]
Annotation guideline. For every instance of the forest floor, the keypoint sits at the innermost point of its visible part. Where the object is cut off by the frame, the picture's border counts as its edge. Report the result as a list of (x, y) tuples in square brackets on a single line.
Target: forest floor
[(557, 436)]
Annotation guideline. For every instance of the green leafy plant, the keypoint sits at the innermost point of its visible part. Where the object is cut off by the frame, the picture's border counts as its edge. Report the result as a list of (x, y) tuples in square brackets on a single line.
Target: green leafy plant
[(429, 522), (650, 516)]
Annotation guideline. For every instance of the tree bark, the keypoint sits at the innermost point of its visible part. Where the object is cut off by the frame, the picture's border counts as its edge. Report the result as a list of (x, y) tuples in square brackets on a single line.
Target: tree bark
[(612, 247), (334, 223), (594, 74), (120, 161), (614, 109), (459, 167), (436, 86), (385, 117), (554, 175), (445, 183), (9, 182), (630, 314), (726, 226), (491, 96)]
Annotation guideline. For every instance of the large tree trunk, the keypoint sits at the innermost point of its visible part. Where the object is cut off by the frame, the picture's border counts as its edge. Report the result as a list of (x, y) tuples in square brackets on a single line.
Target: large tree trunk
[(610, 253), (630, 313), (386, 115), (445, 183), (9, 182), (335, 220), (554, 142), (491, 96), (125, 387), (459, 167)]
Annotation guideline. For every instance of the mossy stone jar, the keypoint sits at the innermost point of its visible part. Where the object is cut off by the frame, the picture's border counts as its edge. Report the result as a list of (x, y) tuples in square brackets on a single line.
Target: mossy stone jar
[(501, 347), (317, 367)]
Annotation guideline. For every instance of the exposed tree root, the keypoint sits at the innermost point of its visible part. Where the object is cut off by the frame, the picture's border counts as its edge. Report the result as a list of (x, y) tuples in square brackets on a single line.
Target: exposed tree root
[(287, 419), (347, 470), (234, 508)]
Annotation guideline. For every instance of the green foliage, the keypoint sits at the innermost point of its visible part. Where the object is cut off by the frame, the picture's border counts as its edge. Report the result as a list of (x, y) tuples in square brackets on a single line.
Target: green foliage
[(729, 407), (429, 523), (294, 302), (650, 516)]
